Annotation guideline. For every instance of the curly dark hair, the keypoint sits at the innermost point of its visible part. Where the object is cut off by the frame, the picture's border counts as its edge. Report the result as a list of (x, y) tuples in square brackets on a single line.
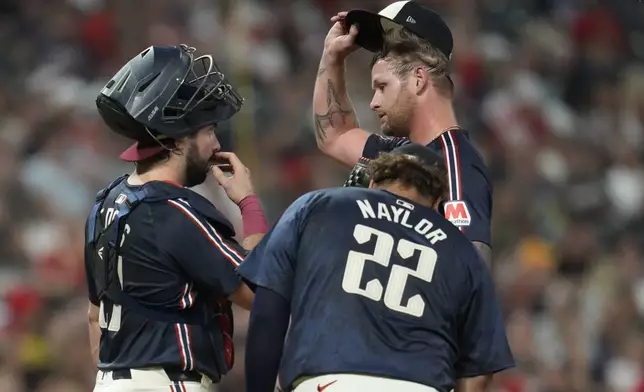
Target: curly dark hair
[(429, 181), (405, 51), (146, 165)]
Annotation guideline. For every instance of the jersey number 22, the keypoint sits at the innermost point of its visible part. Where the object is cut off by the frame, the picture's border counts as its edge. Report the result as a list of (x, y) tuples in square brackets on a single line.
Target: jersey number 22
[(393, 290)]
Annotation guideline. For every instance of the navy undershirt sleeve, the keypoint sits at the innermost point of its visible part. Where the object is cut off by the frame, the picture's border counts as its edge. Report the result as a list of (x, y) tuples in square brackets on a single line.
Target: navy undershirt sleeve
[(269, 321)]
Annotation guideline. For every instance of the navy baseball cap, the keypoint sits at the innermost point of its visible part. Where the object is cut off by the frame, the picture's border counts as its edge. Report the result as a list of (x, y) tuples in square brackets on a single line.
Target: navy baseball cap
[(417, 18)]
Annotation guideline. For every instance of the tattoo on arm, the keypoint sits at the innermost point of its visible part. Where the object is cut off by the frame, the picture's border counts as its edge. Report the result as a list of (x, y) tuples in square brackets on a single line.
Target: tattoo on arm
[(485, 251), (335, 115)]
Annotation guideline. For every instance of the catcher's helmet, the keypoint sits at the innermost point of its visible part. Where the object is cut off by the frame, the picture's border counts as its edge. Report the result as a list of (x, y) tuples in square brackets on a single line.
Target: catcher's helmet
[(165, 92)]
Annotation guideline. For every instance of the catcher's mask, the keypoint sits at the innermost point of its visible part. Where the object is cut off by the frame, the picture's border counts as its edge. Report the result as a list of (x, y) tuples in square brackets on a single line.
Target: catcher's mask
[(166, 91)]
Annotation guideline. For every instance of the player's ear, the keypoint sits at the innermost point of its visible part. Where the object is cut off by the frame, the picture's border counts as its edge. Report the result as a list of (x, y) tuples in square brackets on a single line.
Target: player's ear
[(180, 144), (422, 80)]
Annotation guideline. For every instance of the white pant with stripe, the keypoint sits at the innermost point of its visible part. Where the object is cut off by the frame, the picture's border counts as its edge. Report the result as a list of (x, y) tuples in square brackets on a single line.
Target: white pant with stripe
[(359, 383), (148, 380)]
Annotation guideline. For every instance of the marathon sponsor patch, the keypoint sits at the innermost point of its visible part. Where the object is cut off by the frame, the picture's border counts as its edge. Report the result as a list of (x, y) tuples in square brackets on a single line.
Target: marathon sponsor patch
[(456, 211)]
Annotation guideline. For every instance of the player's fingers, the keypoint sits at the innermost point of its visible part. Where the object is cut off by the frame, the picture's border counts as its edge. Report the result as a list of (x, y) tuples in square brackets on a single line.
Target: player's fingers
[(353, 31), (237, 164), (339, 17), (218, 174)]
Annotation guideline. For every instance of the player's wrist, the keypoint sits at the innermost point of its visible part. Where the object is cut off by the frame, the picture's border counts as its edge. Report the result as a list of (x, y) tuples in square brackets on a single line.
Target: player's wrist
[(332, 58), (253, 217), (246, 199)]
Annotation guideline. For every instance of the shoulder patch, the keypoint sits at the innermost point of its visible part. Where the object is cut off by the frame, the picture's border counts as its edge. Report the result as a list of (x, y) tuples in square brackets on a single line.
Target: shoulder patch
[(456, 211)]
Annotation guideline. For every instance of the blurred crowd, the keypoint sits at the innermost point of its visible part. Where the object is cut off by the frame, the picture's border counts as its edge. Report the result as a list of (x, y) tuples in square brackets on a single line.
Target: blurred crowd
[(552, 92)]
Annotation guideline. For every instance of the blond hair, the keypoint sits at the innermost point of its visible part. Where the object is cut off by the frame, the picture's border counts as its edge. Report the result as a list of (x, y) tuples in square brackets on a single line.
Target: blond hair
[(405, 51)]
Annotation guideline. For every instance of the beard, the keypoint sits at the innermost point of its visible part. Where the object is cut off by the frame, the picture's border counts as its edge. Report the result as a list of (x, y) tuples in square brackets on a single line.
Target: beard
[(197, 168), (398, 117)]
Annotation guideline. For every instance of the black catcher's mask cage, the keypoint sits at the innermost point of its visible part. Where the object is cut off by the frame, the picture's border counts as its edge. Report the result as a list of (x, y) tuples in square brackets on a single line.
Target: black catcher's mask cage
[(205, 96), (165, 90)]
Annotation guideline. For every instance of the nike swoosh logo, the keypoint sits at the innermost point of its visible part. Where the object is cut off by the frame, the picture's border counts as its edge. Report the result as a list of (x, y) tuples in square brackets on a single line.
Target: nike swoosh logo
[(325, 386)]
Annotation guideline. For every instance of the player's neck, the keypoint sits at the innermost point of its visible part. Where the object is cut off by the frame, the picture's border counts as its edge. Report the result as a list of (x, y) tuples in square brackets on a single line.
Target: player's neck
[(407, 193), (431, 121), (160, 173)]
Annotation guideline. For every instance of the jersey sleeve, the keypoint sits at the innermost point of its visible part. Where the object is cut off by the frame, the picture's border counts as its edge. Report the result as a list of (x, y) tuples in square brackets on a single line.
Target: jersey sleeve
[(470, 195), (377, 143), (206, 256), (250, 268), (272, 263), (483, 345)]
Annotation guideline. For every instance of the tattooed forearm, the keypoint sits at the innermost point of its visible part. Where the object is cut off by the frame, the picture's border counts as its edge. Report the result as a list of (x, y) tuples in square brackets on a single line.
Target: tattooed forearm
[(333, 113), (334, 116)]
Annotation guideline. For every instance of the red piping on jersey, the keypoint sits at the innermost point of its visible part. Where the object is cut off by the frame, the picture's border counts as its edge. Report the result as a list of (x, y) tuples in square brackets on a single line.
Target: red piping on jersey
[(457, 158), (227, 251), (451, 154)]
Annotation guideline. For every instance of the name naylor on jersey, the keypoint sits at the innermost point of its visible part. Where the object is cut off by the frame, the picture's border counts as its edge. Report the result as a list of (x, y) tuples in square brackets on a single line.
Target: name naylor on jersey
[(402, 214), (457, 212)]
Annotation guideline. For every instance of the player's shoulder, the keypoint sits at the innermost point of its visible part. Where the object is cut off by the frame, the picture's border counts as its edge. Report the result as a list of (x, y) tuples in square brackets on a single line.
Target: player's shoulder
[(377, 143), (464, 251), (396, 141), (458, 145), (168, 206), (325, 194), (309, 199), (342, 192), (341, 195), (325, 200)]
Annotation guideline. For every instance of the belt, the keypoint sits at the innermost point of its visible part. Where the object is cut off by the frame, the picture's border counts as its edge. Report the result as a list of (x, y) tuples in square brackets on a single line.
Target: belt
[(174, 375)]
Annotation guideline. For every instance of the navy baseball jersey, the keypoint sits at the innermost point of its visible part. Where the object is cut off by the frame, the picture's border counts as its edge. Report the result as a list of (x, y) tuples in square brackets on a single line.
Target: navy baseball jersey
[(176, 258), (379, 285), (470, 192)]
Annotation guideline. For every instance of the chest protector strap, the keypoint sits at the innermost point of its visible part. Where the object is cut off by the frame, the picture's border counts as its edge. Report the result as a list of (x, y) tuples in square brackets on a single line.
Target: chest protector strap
[(107, 271)]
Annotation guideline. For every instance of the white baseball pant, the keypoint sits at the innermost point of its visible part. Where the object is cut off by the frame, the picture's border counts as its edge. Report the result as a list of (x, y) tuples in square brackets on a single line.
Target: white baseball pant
[(148, 380), (359, 383)]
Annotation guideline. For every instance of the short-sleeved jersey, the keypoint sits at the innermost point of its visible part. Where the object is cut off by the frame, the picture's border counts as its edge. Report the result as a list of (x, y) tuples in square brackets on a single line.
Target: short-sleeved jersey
[(470, 192), (379, 285), (171, 259)]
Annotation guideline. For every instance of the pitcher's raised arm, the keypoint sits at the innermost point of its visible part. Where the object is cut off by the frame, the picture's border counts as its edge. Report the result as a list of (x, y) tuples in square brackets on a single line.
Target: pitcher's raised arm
[(335, 124)]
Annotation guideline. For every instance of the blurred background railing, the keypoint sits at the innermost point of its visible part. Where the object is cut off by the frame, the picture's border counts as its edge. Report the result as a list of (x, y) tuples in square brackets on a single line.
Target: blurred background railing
[(551, 90)]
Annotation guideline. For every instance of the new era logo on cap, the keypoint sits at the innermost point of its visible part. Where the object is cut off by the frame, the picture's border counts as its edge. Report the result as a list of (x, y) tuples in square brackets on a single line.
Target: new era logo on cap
[(417, 18)]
